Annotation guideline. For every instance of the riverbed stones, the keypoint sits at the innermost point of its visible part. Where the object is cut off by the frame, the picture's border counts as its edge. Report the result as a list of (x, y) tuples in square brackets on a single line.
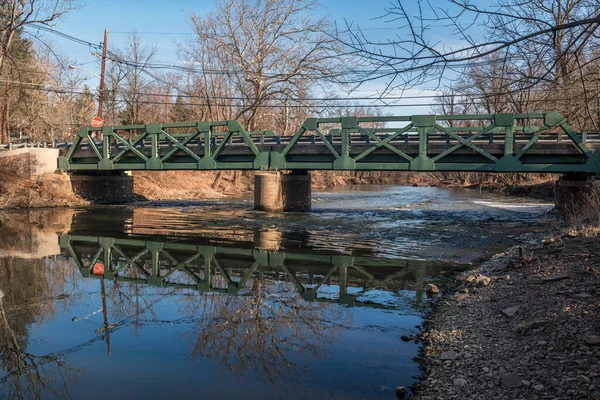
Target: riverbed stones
[(511, 380), (478, 280), (510, 311), (461, 296), (532, 324), (460, 382), (556, 349), (590, 340), (449, 355), (555, 278)]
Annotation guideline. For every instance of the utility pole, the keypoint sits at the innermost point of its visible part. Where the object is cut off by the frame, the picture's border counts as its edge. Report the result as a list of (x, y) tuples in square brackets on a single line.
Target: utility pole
[(101, 100)]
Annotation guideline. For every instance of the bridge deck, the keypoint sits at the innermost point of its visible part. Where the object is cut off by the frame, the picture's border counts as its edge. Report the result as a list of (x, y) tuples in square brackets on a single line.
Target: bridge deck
[(496, 144)]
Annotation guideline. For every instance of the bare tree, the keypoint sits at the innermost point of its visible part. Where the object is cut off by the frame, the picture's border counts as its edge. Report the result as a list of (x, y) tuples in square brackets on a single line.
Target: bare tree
[(271, 50), (548, 34), (133, 77), (15, 15)]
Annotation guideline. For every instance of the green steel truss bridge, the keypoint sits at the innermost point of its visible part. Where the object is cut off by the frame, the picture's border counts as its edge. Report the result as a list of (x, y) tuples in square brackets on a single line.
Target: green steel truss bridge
[(490, 143), (227, 270)]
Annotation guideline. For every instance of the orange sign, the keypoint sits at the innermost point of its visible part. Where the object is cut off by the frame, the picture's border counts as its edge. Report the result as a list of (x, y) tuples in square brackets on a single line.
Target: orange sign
[(97, 122)]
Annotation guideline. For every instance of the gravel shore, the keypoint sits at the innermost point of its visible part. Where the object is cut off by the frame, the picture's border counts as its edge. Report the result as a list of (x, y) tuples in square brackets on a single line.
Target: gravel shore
[(524, 325)]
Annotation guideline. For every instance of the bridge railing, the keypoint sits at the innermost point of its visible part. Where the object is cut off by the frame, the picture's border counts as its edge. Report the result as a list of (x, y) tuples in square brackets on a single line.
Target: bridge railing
[(491, 142)]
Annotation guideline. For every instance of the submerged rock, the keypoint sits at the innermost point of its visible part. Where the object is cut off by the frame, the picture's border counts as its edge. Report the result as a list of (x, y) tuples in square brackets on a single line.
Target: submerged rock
[(401, 392), (431, 290)]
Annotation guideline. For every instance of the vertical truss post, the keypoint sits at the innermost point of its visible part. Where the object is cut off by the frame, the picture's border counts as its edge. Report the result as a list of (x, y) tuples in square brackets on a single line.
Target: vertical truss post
[(508, 163), (105, 163), (207, 161), (422, 141), (154, 162), (422, 123), (509, 140), (344, 161)]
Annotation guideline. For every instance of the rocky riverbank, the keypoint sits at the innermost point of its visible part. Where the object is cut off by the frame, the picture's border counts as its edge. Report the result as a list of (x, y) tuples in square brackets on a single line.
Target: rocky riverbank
[(524, 325)]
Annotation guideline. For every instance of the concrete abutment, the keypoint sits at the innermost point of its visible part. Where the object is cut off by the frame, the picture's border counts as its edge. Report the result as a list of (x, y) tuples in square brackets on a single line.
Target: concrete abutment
[(276, 192)]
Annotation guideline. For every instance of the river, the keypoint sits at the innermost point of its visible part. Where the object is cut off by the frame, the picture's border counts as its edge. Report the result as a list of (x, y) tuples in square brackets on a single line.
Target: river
[(209, 299)]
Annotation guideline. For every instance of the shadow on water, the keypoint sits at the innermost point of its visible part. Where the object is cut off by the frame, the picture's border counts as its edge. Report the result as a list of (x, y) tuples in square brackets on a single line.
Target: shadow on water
[(249, 305)]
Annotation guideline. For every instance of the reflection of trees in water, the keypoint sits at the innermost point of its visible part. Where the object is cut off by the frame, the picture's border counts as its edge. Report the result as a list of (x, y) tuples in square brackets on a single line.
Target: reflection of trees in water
[(31, 288), (263, 331)]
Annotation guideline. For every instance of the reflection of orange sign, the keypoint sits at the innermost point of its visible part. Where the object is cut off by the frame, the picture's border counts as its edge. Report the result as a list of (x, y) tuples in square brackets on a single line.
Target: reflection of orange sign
[(92, 105), (97, 122), (98, 269)]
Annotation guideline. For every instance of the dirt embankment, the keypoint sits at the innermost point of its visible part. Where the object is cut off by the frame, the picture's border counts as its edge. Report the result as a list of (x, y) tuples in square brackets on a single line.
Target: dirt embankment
[(525, 325)]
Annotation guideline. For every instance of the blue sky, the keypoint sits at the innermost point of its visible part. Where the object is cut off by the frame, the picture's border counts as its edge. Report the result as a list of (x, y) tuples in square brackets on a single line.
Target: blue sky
[(165, 23)]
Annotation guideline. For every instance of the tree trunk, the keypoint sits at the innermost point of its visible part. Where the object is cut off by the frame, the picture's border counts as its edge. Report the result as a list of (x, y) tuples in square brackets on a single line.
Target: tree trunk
[(4, 118)]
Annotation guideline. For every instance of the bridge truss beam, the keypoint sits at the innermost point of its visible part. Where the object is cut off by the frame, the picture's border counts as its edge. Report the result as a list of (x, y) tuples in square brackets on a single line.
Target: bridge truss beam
[(489, 143)]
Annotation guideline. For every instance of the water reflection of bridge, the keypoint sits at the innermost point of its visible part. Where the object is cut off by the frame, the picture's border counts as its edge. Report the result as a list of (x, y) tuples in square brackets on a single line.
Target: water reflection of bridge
[(228, 270)]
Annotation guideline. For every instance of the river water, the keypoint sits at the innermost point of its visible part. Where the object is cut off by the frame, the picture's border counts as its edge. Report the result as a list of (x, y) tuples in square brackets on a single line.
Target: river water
[(210, 299)]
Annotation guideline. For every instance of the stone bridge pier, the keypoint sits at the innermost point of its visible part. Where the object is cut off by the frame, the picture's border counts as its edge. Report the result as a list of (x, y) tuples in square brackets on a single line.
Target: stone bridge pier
[(576, 193), (275, 191), (101, 187)]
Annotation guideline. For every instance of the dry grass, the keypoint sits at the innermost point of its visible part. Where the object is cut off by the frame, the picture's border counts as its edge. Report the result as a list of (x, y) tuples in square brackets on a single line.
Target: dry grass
[(18, 190), (177, 185), (585, 220)]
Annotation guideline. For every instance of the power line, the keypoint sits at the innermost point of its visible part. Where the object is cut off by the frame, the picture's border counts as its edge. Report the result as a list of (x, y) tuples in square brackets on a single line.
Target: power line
[(470, 96), (303, 106), (186, 68)]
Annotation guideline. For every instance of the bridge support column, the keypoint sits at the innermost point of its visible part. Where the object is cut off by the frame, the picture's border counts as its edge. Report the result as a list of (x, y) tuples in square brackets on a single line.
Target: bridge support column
[(574, 193), (267, 191), (297, 191), (277, 192)]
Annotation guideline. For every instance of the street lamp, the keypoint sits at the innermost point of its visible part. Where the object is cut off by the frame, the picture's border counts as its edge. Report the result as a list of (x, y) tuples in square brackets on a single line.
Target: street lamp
[(83, 69)]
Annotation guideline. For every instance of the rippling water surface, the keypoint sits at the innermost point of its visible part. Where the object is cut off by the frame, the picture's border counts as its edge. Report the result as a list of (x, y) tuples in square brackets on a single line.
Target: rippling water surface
[(210, 299)]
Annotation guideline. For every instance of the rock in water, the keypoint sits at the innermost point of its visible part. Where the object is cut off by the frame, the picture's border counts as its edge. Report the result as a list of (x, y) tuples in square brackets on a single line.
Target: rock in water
[(431, 290), (511, 380), (1, 294), (401, 392)]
